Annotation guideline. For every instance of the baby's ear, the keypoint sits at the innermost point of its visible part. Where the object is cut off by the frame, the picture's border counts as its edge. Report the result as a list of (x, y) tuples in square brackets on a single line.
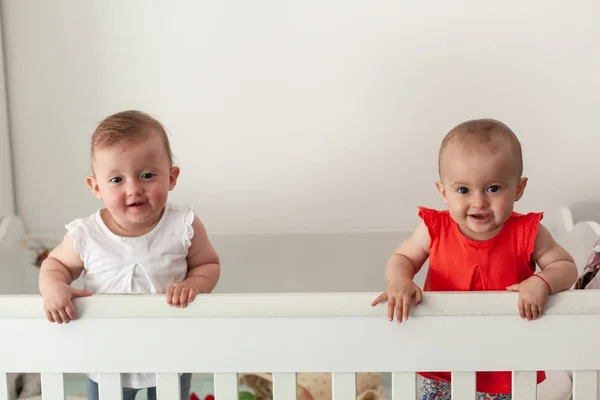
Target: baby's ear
[(173, 175), (440, 187), (93, 184), (521, 188)]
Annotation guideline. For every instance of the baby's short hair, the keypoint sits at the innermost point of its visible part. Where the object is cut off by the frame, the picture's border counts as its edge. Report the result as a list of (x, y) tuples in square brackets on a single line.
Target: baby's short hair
[(483, 132), (128, 127)]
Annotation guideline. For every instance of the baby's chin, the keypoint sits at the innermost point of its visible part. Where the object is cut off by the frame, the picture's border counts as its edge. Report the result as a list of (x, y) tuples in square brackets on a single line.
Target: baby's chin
[(476, 230)]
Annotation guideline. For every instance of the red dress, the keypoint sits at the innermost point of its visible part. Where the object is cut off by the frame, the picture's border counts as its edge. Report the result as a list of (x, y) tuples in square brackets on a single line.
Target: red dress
[(457, 263)]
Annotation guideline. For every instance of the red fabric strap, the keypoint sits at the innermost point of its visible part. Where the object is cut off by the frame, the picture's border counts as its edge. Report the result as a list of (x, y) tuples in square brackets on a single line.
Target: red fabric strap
[(545, 281)]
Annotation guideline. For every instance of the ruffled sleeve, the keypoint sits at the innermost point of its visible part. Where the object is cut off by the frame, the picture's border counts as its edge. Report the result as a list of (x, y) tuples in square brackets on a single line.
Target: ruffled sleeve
[(531, 222), (188, 230), (431, 219), (77, 232)]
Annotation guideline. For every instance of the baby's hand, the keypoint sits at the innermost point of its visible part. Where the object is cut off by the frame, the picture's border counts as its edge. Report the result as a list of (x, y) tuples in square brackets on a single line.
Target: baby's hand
[(399, 295), (58, 304), (179, 294), (533, 294)]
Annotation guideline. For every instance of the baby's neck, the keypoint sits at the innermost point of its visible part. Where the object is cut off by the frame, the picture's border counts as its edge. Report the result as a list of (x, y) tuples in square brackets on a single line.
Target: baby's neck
[(479, 237), (125, 229)]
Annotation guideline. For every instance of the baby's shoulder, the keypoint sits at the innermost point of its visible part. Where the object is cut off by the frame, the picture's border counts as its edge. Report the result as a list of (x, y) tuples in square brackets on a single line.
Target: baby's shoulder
[(87, 221), (433, 218), (183, 212), (423, 211), (529, 220), (181, 219), (182, 208), (528, 215)]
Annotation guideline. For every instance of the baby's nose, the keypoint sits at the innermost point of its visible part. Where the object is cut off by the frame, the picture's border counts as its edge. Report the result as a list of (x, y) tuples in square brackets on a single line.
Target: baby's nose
[(479, 201)]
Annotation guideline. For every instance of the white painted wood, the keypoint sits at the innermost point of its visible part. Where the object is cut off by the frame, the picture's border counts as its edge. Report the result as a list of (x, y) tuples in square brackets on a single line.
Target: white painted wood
[(226, 386), (587, 212), (580, 230), (109, 386), (53, 386), (300, 305), (3, 386), (168, 386), (524, 385), (404, 385), (343, 385), (284, 385), (585, 385), (272, 343), (463, 385), (594, 226), (566, 216)]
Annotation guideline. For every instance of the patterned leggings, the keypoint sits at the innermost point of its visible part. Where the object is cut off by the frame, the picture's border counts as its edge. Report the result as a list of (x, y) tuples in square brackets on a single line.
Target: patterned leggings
[(440, 390)]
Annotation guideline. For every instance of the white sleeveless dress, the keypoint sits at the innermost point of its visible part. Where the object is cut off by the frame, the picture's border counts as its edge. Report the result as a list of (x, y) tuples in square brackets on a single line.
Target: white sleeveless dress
[(147, 264)]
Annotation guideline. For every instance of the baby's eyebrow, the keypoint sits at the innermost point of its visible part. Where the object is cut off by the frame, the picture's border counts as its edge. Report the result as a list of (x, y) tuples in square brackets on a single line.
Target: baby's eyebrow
[(459, 184)]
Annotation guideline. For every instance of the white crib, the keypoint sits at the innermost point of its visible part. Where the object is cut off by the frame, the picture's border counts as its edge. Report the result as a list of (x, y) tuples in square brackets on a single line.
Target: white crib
[(229, 334), (289, 333)]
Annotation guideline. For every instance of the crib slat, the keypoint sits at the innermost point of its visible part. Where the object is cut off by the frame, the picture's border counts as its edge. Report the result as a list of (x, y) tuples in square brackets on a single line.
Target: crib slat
[(226, 386), (463, 385), (109, 387), (284, 386), (3, 386), (343, 385), (524, 385), (585, 385), (167, 386), (404, 385), (53, 386)]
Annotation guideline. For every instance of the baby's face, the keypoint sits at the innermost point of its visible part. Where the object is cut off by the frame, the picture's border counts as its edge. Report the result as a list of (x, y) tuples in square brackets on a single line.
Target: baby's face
[(134, 182), (480, 188)]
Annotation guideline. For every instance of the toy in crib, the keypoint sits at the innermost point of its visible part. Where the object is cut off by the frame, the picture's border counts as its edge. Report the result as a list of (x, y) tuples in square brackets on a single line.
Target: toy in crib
[(314, 386), (589, 278), (243, 396), (24, 386), (39, 248)]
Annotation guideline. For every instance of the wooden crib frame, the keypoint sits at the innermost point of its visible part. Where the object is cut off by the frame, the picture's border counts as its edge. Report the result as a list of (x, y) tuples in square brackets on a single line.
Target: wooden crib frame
[(289, 333)]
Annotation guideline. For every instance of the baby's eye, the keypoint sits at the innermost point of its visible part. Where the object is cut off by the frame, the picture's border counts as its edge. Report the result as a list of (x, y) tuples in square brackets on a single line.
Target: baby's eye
[(116, 180), (148, 175), (463, 190), (494, 188)]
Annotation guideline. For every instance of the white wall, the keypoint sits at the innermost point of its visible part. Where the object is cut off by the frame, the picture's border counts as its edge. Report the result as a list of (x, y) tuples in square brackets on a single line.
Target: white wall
[(17, 275), (265, 263), (284, 263), (291, 116), (7, 200)]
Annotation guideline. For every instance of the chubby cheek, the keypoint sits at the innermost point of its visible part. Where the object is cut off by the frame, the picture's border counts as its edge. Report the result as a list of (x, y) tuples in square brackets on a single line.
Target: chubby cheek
[(113, 198), (157, 194), (503, 204), (458, 206), (457, 211)]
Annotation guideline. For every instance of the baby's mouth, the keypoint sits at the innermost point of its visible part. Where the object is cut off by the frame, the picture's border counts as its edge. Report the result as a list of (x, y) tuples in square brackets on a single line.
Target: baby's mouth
[(480, 217)]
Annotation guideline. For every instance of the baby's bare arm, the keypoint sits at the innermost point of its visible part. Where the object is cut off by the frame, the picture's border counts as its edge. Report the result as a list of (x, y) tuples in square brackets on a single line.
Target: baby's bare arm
[(63, 265), (557, 265), (400, 270), (409, 257), (204, 268)]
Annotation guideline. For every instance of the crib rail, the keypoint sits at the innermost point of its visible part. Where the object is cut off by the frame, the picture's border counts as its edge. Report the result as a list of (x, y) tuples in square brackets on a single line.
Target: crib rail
[(290, 333)]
